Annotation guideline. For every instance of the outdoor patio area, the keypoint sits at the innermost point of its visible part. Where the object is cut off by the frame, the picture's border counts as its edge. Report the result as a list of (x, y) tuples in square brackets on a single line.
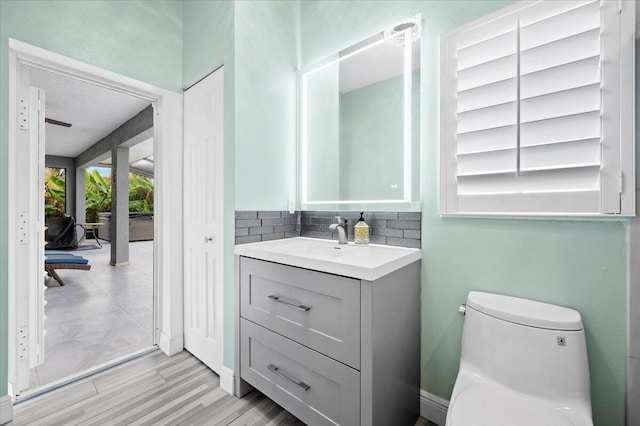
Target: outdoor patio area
[(98, 315)]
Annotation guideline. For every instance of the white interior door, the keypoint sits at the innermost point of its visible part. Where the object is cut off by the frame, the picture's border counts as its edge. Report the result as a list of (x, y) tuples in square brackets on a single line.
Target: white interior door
[(28, 252), (203, 138)]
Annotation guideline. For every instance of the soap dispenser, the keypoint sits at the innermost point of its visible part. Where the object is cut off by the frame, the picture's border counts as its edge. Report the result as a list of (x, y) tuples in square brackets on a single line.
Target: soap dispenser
[(361, 231)]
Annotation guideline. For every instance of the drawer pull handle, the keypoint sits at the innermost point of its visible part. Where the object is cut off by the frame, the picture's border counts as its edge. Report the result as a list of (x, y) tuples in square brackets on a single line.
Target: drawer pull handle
[(299, 307), (305, 387)]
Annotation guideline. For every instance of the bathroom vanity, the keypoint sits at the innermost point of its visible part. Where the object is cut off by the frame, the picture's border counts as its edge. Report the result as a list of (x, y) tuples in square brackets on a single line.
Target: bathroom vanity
[(330, 332)]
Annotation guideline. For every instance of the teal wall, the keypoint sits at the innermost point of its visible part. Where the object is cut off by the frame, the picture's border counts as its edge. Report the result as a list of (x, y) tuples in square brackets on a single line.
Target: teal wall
[(323, 134), (207, 40), (266, 63), (372, 140), (266, 52), (258, 44), (139, 39), (579, 264)]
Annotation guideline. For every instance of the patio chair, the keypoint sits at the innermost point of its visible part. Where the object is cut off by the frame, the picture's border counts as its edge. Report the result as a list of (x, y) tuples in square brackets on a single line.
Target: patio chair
[(62, 233), (61, 260)]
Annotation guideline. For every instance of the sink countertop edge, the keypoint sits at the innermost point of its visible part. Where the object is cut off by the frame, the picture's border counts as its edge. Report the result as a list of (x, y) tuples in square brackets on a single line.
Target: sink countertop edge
[(256, 251)]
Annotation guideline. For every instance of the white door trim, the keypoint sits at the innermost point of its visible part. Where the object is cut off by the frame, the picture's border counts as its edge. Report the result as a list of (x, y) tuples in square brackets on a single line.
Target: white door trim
[(6, 410), (36, 317), (168, 261)]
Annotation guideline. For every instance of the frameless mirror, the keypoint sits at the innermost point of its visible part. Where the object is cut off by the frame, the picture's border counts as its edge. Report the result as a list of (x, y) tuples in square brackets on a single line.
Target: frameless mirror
[(360, 128)]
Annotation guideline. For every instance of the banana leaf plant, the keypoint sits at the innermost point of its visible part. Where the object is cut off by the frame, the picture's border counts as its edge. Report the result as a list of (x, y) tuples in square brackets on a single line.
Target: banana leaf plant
[(140, 193), (97, 193), (54, 192)]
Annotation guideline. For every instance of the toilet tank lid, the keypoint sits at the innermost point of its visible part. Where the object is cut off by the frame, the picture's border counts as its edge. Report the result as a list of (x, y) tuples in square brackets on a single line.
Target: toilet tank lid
[(525, 312)]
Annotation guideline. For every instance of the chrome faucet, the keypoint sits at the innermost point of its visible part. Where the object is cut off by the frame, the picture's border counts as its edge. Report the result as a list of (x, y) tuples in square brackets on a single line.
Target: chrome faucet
[(341, 226)]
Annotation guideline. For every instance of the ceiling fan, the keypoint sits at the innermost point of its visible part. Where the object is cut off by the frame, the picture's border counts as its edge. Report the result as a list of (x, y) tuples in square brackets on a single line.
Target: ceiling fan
[(56, 122)]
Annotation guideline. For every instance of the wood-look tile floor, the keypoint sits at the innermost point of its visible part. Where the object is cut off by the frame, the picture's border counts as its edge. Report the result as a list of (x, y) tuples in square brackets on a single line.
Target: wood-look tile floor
[(153, 390)]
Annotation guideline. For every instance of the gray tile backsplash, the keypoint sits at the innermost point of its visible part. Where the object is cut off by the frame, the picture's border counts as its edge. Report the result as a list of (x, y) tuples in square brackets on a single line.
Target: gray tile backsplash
[(253, 226), (389, 228)]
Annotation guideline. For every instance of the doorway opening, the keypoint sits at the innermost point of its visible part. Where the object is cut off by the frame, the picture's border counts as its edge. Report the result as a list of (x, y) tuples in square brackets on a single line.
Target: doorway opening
[(103, 311), (94, 262)]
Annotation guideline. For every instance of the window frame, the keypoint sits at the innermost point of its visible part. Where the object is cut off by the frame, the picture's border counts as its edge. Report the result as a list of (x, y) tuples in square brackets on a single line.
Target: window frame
[(625, 126)]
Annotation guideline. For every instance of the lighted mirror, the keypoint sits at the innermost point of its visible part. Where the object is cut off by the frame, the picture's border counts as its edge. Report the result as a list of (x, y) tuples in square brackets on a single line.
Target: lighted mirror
[(360, 130)]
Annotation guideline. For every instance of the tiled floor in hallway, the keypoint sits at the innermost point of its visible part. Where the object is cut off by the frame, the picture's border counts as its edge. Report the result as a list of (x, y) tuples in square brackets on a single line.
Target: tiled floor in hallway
[(99, 315)]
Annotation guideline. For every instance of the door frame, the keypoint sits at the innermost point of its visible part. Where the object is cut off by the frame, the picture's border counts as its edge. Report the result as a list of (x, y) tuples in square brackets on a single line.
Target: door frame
[(168, 244)]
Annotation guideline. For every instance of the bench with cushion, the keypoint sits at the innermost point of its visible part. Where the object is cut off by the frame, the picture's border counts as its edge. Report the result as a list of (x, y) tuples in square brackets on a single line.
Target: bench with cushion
[(60, 260)]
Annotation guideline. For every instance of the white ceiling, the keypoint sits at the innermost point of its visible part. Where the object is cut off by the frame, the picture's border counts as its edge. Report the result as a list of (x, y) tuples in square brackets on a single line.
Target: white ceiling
[(93, 112), (137, 152), (375, 64), (140, 158)]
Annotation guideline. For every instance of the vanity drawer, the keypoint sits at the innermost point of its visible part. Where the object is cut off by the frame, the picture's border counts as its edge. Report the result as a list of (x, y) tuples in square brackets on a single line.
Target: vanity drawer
[(313, 387), (321, 311)]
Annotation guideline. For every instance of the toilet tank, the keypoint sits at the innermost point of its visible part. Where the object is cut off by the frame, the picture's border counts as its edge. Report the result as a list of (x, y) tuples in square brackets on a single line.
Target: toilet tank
[(531, 347)]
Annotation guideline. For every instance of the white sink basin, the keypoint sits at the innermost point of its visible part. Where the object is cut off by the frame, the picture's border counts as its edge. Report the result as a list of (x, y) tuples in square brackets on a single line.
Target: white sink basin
[(318, 248), (368, 263)]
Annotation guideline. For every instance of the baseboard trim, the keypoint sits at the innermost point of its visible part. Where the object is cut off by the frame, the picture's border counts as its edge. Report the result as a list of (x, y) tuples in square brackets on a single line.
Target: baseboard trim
[(227, 381), (433, 408), (171, 345), (6, 409)]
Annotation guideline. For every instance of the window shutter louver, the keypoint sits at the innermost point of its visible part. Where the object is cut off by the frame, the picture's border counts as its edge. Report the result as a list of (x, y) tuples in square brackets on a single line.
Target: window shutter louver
[(529, 112)]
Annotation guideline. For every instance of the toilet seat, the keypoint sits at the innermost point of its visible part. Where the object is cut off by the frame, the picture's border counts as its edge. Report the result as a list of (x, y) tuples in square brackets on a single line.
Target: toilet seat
[(486, 405)]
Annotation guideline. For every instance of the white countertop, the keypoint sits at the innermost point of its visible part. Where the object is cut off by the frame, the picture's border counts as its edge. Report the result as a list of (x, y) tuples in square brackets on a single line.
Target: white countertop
[(363, 262)]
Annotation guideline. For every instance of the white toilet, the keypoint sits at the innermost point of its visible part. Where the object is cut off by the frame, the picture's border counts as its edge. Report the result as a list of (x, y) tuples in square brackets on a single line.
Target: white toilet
[(523, 363)]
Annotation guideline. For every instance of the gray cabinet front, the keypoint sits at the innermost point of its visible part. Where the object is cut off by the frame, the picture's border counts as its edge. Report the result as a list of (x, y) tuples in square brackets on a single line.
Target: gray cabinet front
[(313, 387), (321, 311), (330, 349)]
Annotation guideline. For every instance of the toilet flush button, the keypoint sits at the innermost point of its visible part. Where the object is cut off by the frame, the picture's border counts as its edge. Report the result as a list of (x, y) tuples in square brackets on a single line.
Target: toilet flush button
[(562, 341)]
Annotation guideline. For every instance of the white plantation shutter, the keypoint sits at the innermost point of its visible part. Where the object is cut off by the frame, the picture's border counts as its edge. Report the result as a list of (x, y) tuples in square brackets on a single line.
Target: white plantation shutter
[(530, 111)]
